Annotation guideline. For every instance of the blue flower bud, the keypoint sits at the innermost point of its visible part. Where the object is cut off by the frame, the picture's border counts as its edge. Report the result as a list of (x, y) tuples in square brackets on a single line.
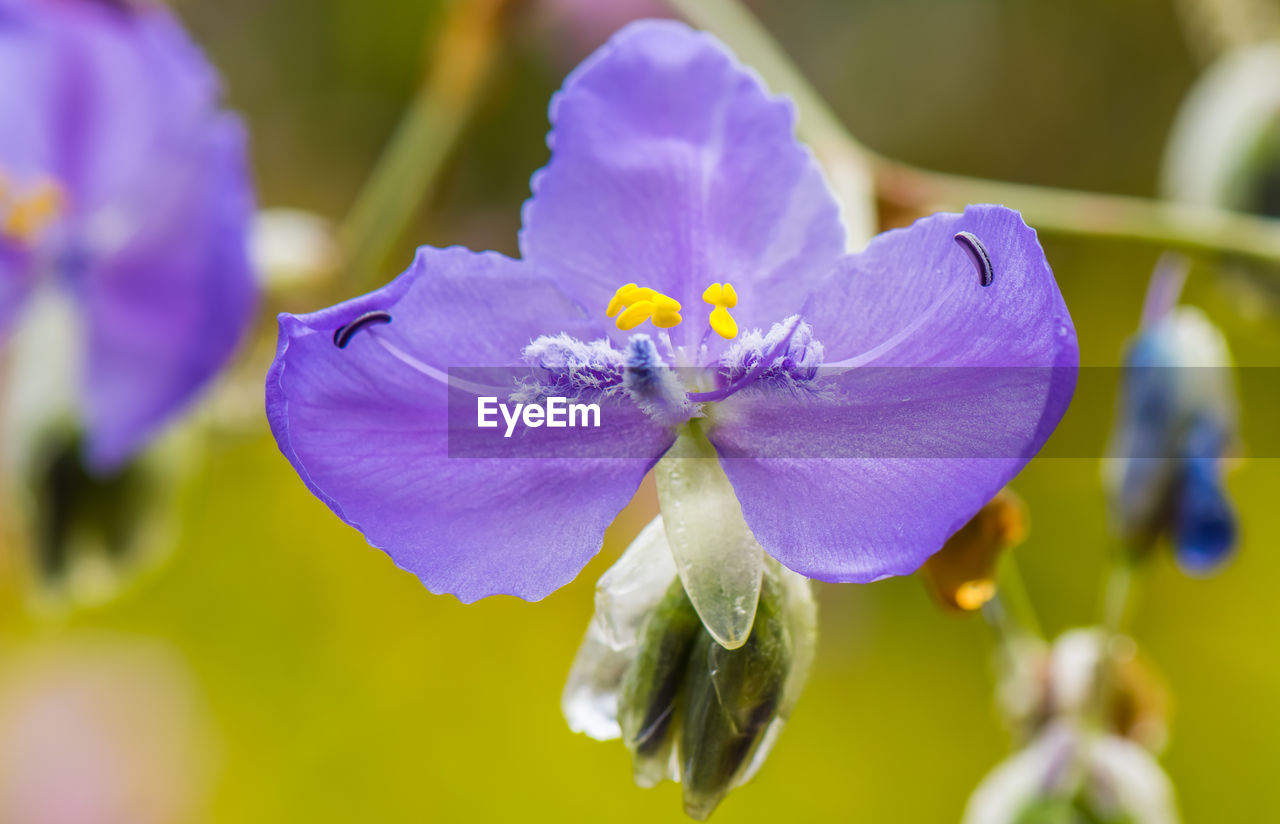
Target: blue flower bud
[(1205, 531), (1177, 420)]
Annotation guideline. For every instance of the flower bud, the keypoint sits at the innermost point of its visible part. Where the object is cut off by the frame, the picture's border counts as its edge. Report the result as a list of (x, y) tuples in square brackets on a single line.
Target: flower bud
[(687, 707), (85, 527), (962, 575), (89, 532), (625, 597), (647, 705), (1085, 675), (1177, 421), (1071, 774), (731, 697), (76, 514)]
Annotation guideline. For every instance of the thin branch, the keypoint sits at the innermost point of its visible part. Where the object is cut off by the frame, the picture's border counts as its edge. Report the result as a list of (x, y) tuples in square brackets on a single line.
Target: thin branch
[(1195, 230)]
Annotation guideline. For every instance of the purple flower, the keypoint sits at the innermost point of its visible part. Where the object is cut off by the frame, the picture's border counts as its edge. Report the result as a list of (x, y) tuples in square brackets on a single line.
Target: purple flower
[(124, 186), (863, 406)]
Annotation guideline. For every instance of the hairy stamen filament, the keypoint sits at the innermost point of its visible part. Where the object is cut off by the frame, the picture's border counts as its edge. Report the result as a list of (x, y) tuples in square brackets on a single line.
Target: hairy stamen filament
[(766, 360)]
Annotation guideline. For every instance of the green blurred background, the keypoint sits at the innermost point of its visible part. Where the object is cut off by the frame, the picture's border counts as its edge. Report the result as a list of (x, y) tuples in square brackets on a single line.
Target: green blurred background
[(340, 690)]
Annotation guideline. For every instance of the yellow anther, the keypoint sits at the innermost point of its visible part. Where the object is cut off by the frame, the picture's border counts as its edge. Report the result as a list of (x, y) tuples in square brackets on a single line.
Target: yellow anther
[(666, 311), (25, 216), (723, 323), (723, 298), (730, 296), (619, 299), (635, 314), (633, 305)]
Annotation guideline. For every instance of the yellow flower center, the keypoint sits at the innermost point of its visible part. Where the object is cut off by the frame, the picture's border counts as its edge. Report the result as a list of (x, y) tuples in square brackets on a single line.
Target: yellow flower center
[(26, 213), (632, 305)]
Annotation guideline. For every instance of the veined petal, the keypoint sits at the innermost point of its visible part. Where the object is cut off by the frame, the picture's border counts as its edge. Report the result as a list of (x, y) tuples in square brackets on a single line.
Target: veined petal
[(914, 298), (167, 306), (672, 167), (951, 388), (367, 430), (870, 477)]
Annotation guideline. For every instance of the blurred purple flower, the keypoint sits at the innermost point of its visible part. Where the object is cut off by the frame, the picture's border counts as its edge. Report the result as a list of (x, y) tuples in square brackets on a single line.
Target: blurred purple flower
[(123, 184), (673, 168)]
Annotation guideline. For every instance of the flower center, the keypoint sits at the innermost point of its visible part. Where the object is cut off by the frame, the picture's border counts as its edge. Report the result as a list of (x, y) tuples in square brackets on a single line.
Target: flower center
[(26, 212), (632, 305)]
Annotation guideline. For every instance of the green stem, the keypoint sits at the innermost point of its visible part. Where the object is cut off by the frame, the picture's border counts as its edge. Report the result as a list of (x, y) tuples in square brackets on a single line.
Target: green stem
[(1196, 230), (1015, 596), (462, 60), (1118, 594), (1214, 27)]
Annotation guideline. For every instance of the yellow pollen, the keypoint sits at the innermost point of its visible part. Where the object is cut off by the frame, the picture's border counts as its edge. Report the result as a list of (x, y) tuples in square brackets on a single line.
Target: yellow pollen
[(972, 595), (723, 298), (632, 305), (24, 215)]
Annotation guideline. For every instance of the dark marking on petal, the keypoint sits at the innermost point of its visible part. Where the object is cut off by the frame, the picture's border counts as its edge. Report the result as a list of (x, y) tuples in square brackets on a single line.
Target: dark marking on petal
[(978, 254), (343, 334)]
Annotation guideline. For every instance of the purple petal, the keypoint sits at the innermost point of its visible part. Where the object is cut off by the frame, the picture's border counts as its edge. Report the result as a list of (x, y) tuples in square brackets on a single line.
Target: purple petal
[(870, 477), (167, 308), (25, 141), (114, 84), (673, 168), (27, 51), (914, 298), (15, 284), (368, 430)]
